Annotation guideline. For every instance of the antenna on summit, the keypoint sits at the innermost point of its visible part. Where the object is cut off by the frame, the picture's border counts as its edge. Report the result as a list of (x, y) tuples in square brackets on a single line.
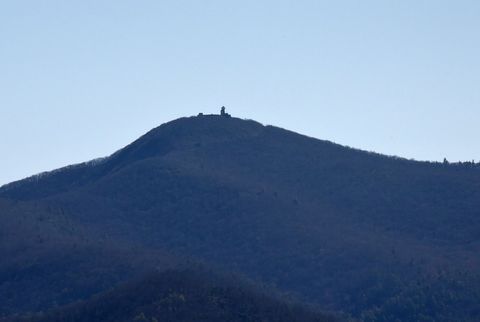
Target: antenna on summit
[(223, 113)]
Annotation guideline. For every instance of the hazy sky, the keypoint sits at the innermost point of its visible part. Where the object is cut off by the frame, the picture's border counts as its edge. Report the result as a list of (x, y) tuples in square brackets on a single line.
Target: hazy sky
[(81, 79)]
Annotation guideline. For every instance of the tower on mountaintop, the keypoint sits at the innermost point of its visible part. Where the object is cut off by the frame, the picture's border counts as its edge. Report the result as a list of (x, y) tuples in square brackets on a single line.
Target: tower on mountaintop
[(223, 113)]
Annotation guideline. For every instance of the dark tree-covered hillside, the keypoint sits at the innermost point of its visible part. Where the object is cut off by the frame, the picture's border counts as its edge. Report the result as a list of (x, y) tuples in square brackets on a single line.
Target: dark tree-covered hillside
[(378, 238), (175, 296)]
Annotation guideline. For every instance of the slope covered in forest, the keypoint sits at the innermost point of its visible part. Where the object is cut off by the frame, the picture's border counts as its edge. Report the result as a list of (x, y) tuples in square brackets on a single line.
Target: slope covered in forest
[(373, 236), (180, 295)]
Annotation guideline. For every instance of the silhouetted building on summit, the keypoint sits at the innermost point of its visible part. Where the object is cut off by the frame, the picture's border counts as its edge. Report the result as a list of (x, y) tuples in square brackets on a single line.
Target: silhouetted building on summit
[(223, 113)]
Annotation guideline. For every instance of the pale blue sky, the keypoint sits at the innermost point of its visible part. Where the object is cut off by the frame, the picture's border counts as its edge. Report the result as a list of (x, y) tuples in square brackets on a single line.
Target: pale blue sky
[(81, 79)]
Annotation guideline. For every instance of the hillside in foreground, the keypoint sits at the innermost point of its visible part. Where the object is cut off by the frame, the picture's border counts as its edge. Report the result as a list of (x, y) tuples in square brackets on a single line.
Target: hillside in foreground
[(177, 296), (375, 237)]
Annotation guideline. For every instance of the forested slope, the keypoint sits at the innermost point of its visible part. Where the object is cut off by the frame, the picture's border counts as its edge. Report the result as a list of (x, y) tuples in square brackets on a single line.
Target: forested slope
[(376, 237)]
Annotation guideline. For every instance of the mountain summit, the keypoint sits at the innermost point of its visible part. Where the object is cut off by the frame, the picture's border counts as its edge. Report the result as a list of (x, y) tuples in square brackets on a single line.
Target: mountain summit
[(371, 236)]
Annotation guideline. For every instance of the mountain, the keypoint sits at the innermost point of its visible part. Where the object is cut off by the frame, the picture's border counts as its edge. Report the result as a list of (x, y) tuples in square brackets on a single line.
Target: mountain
[(177, 295), (378, 238)]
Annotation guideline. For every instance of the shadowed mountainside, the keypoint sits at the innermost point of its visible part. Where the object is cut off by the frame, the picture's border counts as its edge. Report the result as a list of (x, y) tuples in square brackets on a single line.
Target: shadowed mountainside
[(380, 238), (176, 295)]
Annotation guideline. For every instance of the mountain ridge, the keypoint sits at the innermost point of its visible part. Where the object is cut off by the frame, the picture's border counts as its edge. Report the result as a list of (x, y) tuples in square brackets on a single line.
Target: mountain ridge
[(179, 125), (347, 230)]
